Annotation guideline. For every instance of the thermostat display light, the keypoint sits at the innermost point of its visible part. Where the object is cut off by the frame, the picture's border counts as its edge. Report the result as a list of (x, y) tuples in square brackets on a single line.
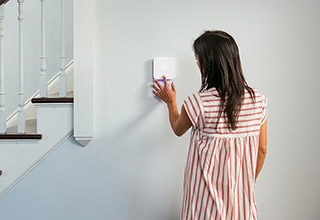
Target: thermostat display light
[(164, 66)]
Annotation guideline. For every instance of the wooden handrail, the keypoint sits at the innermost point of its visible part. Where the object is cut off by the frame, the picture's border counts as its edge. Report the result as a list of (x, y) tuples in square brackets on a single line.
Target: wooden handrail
[(3, 2)]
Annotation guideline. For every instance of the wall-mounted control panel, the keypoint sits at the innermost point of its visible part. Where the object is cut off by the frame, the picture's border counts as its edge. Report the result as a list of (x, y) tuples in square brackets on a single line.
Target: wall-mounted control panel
[(164, 66)]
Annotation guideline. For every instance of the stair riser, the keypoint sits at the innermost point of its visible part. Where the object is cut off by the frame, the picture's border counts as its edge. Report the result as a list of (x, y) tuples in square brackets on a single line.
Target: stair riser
[(49, 114)]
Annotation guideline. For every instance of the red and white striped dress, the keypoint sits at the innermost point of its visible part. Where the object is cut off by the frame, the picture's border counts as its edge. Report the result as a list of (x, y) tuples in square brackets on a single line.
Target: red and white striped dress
[(219, 175)]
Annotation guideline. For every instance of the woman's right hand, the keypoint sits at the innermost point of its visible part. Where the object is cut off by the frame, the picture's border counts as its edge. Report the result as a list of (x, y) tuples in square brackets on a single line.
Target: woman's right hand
[(166, 94)]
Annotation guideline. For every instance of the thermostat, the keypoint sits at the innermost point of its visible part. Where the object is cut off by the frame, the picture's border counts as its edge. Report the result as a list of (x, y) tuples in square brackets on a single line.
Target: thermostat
[(164, 66)]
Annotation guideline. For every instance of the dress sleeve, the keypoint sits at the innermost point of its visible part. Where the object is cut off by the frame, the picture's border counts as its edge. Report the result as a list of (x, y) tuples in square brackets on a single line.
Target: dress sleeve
[(264, 109), (194, 109)]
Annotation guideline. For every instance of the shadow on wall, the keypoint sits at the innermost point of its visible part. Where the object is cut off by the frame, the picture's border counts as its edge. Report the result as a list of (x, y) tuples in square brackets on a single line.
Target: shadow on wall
[(147, 103), (134, 163)]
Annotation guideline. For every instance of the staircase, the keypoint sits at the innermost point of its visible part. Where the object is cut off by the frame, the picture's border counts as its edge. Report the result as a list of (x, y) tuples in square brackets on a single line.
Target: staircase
[(44, 121)]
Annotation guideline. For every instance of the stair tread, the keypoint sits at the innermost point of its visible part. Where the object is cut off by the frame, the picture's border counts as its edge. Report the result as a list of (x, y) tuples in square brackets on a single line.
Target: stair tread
[(20, 136), (30, 128), (53, 100)]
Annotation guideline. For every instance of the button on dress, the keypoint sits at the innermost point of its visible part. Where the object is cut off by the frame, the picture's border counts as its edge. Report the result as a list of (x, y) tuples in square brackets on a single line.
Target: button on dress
[(219, 175)]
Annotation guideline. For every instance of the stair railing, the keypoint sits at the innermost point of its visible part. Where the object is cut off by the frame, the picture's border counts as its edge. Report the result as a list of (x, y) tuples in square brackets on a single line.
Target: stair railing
[(43, 58), (21, 121), (2, 92), (62, 80), (43, 67)]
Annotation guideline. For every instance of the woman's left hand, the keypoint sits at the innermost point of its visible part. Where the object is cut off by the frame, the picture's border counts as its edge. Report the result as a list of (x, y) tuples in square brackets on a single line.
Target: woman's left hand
[(166, 94)]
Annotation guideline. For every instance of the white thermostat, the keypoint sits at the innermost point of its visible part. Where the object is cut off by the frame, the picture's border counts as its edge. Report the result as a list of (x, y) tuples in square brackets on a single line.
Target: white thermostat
[(164, 66)]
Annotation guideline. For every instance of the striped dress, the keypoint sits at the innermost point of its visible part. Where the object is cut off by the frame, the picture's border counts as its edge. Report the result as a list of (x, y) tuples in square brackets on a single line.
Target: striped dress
[(219, 175)]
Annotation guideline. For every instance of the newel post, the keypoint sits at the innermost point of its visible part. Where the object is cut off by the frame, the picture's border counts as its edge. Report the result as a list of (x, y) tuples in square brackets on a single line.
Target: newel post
[(84, 71)]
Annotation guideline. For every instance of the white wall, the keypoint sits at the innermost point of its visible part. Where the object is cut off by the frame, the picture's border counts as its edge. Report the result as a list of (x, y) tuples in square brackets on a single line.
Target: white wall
[(133, 169), (32, 46)]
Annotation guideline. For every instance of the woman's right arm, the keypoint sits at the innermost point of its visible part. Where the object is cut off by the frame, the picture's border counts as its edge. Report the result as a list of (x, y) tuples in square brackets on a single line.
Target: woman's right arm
[(262, 151)]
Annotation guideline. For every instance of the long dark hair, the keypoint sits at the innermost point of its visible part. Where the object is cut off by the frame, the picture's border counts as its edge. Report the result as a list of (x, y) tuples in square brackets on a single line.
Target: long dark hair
[(220, 66)]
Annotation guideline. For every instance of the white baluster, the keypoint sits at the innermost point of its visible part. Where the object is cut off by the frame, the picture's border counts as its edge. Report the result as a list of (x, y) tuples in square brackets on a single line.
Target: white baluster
[(21, 121), (43, 58), (62, 80), (2, 93)]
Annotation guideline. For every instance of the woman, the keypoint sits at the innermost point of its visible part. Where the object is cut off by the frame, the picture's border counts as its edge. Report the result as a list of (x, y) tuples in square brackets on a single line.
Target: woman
[(229, 133)]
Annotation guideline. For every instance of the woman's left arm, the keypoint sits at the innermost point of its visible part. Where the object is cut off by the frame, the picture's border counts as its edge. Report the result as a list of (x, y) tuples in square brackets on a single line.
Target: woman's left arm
[(180, 123)]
